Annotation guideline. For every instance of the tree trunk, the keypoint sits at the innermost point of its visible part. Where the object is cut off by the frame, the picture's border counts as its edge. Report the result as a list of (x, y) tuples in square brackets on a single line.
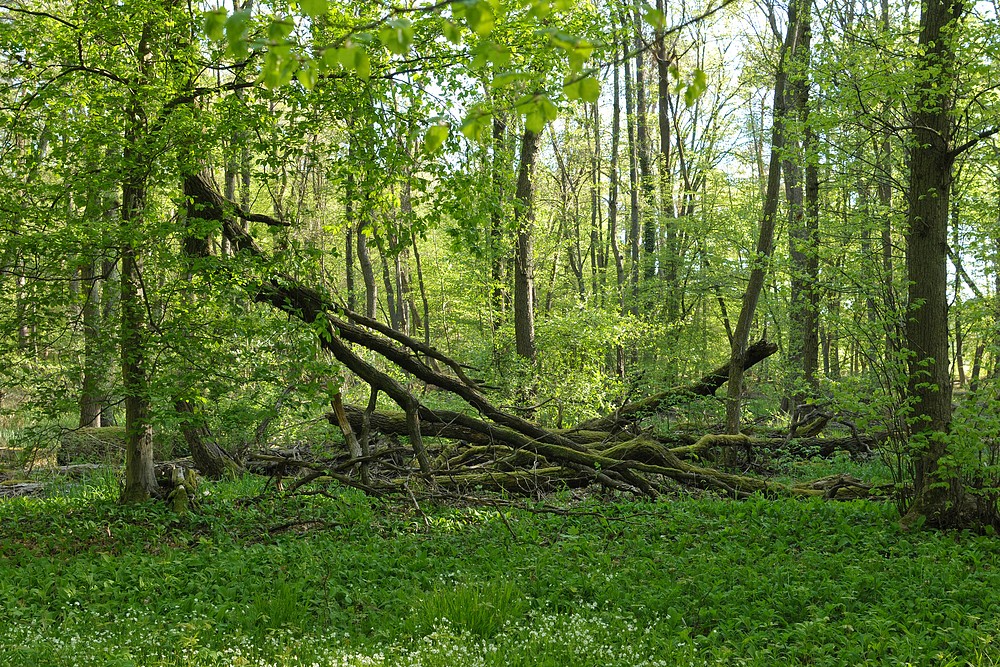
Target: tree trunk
[(497, 247), (91, 393), (765, 241), (212, 461), (110, 312), (140, 481), (613, 189), (671, 255), (633, 177), (367, 272), (940, 496), (801, 241), (350, 228), (642, 154), (140, 478), (524, 266)]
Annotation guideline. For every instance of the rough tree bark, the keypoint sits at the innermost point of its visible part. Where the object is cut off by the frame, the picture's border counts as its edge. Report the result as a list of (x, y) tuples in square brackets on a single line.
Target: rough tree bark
[(940, 496), (524, 265), (801, 194)]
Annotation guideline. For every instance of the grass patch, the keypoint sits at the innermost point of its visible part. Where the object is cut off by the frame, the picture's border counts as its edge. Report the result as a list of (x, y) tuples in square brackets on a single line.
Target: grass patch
[(250, 579)]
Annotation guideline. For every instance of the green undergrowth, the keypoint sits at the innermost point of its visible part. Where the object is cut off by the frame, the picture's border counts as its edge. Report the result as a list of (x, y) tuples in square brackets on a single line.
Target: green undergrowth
[(250, 579)]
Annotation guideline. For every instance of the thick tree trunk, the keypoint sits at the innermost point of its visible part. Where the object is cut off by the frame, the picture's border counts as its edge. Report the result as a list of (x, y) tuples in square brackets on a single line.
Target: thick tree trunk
[(524, 266), (800, 176), (140, 480), (940, 496)]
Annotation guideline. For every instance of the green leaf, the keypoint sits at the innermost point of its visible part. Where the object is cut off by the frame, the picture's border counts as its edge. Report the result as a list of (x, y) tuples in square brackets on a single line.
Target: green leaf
[(587, 89), (331, 57), (475, 123), (307, 76), (535, 121), (549, 110), (363, 65), (314, 8), (397, 35), (504, 79), (279, 67), (435, 137), (490, 52), (695, 89), (579, 54), (280, 29), (655, 18), (236, 33), (452, 32), (540, 9), (479, 17), (354, 59), (590, 89), (215, 23)]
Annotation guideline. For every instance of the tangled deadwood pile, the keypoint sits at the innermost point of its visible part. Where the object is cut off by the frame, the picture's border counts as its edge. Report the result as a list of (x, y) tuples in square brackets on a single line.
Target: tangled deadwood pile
[(484, 446)]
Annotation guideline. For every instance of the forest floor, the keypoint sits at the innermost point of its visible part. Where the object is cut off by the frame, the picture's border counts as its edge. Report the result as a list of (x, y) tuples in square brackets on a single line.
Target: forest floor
[(254, 578)]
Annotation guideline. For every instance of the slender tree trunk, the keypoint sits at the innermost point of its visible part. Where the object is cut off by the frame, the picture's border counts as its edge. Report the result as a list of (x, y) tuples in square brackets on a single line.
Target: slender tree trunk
[(350, 228), (633, 177), (91, 392), (231, 177), (367, 273), (613, 184), (110, 312), (524, 265), (648, 208), (671, 254), (597, 259), (140, 482), (883, 166), (498, 252), (423, 291), (810, 318)]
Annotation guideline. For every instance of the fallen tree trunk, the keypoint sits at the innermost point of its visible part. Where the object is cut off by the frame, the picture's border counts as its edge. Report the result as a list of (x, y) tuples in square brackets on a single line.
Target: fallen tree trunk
[(494, 448), (628, 414)]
